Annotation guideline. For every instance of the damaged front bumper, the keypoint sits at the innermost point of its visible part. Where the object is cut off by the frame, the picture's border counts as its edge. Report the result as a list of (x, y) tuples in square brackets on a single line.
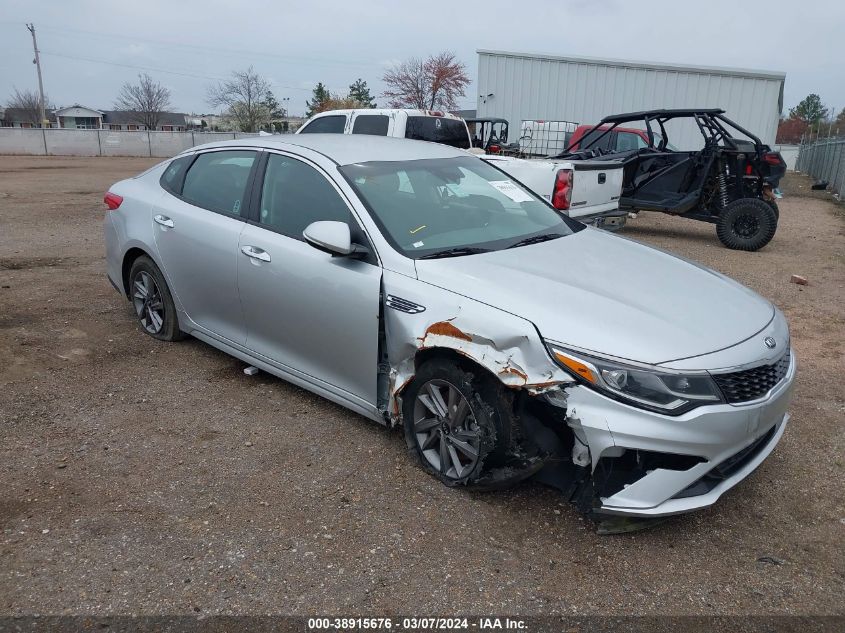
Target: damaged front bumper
[(645, 464)]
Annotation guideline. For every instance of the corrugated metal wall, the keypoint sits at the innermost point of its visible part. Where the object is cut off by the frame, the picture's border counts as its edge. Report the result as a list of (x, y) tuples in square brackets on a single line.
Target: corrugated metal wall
[(584, 90)]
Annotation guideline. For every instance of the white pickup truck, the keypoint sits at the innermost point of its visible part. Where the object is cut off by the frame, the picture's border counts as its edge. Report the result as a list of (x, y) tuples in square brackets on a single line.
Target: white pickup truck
[(586, 190)]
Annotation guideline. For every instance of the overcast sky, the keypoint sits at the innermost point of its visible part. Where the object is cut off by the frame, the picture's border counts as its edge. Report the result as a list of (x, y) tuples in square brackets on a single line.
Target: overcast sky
[(89, 48)]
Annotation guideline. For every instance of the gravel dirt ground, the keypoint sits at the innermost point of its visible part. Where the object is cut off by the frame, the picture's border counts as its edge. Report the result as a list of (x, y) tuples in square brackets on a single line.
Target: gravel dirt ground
[(146, 477)]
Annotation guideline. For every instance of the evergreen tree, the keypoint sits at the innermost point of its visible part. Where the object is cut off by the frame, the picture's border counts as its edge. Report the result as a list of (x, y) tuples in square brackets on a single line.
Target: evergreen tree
[(810, 110), (360, 92), (318, 101), (272, 105)]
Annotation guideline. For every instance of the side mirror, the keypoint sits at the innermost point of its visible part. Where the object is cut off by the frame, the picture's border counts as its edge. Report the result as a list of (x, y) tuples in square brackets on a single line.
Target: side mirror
[(332, 237)]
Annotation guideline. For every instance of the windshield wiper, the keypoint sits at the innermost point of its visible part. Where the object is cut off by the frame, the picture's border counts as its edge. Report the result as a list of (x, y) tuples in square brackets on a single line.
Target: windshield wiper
[(536, 239), (456, 252)]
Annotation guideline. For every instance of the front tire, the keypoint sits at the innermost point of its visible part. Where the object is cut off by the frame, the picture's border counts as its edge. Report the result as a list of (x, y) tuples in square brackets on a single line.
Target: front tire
[(457, 422), (747, 224), (152, 301)]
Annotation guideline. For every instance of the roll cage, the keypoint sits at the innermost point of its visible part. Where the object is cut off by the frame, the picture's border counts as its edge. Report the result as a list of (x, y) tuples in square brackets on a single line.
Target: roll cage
[(488, 132), (712, 123)]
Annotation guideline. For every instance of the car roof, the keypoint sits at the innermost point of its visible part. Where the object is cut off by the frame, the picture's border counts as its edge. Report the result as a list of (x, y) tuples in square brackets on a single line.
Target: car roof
[(652, 114), (345, 149), (483, 119), (387, 111)]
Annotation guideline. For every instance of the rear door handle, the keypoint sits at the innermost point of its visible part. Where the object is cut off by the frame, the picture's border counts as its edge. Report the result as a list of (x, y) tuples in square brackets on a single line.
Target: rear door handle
[(602, 178), (164, 221), (256, 253)]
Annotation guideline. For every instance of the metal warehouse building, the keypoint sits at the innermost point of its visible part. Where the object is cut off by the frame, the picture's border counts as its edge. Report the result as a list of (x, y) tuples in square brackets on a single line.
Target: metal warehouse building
[(522, 86)]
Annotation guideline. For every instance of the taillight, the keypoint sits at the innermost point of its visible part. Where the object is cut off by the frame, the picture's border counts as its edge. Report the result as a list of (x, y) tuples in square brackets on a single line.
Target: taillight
[(771, 158), (494, 149), (562, 194), (748, 170), (112, 200)]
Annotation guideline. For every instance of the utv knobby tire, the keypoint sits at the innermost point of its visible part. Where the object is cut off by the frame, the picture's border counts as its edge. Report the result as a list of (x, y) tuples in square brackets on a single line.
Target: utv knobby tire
[(747, 224), (491, 406), (170, 327)]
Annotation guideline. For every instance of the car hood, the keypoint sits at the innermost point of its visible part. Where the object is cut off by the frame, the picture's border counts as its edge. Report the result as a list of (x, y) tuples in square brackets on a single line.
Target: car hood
[(610, 295)]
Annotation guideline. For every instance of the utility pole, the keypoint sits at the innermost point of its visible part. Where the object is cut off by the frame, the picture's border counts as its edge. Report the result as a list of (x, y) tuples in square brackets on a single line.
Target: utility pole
[(37, 61)]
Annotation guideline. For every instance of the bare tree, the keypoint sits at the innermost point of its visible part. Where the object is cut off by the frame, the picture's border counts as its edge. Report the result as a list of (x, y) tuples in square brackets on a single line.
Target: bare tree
[(243, 96), (29, 105), (433, 83), (146, 101)]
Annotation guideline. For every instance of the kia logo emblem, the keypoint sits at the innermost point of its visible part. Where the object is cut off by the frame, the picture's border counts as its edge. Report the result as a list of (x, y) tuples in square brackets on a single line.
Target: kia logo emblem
[(770, 342)]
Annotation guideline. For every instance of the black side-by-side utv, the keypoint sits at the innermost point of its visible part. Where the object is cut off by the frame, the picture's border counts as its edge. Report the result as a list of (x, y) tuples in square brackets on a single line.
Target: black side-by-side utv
[(729, 182)]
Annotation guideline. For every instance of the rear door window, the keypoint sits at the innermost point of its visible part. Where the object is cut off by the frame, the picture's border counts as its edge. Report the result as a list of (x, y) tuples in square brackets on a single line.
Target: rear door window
[(375, 124), (334, 124), (451, 132), (217, 181)]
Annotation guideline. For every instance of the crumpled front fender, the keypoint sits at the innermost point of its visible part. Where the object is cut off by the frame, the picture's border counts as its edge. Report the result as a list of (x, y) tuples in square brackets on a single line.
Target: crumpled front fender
[(508, 346)]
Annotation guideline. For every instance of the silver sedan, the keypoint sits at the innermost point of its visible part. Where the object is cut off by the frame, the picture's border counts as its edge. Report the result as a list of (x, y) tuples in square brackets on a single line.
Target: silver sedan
[(418, 285)]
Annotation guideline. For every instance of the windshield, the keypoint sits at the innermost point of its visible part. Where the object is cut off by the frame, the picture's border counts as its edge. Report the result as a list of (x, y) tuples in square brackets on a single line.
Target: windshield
[(438, 130), (452, 206)]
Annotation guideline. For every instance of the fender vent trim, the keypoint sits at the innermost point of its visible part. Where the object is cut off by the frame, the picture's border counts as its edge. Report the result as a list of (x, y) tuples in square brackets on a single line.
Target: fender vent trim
[(403, 305)]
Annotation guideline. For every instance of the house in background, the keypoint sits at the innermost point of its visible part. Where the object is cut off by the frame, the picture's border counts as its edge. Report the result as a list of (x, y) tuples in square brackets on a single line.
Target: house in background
[(78, 117), (19, 117), (124, 120)]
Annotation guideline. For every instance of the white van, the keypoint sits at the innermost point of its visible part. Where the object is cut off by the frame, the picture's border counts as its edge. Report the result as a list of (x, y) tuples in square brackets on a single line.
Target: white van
[(420, 125)]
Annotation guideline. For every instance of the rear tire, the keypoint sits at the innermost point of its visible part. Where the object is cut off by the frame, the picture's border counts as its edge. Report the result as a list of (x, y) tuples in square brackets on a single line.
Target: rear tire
[(152, 301), (747, 224), (774, 206), (457, 422)]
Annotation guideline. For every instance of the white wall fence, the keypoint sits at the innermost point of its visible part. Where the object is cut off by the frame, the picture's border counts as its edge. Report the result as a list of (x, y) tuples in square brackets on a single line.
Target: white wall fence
[(789, 154), (825, 160), (63, 142)]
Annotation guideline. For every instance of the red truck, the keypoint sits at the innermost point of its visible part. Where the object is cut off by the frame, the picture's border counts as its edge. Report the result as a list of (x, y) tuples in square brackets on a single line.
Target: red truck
[(621, 139)]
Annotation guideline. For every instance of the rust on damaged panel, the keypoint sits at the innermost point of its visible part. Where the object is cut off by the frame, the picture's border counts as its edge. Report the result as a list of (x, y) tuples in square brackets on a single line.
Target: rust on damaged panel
[(445, 328), (514, 372)]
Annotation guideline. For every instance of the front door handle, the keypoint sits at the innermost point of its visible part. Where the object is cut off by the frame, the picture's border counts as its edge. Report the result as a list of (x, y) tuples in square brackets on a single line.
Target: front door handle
[(164, 221), (256, 253)]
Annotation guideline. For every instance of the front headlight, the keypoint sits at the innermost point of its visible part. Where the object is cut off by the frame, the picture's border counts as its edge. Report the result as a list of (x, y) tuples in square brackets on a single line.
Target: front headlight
[(641, 386)]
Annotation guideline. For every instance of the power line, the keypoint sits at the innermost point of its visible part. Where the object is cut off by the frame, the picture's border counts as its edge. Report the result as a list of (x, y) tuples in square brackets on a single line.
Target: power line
[(160, 70), (217, 49)]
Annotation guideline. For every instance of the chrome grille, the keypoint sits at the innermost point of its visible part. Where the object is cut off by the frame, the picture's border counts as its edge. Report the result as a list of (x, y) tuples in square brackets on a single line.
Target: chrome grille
[(750, 384)]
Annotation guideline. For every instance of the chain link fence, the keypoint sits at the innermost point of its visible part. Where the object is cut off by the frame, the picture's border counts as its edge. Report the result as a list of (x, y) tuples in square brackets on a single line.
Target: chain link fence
[(824, 160), (65, 142)]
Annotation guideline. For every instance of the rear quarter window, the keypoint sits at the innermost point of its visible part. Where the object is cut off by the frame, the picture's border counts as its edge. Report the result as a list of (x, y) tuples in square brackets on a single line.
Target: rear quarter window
[(451, 132), (326, 125), (173, 176)]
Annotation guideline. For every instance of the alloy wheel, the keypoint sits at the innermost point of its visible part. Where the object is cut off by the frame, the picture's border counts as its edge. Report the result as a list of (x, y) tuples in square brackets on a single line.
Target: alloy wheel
[(445, 428), (146, 297)]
